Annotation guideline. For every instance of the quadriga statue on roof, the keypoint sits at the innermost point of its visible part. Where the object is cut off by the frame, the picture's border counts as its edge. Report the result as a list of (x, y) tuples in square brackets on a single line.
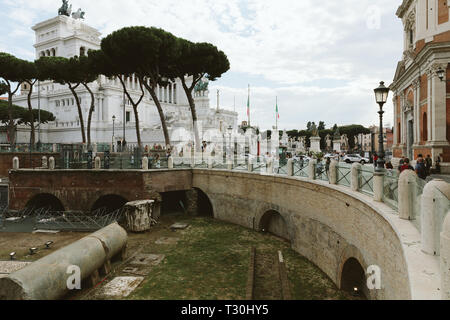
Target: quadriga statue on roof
[(78, 15), (201, 86), (65, 9)]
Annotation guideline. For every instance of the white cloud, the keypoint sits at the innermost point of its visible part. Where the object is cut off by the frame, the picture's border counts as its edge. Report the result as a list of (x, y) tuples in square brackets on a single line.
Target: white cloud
[(296, 47)]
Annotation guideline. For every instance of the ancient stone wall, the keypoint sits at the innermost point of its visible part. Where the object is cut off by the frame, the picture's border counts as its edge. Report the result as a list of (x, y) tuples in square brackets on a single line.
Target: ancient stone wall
[(324, 224)]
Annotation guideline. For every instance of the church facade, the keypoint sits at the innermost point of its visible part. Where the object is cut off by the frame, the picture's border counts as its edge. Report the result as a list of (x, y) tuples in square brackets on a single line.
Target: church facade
[(421, 98), (67, 37)]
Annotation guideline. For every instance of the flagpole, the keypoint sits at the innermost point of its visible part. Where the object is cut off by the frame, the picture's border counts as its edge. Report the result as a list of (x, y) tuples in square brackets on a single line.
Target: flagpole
[(276, 115), (248, 105)]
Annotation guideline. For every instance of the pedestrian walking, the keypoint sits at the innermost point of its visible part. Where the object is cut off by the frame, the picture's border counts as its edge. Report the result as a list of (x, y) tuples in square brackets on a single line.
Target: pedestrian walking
[(420, 169), (428, 164)]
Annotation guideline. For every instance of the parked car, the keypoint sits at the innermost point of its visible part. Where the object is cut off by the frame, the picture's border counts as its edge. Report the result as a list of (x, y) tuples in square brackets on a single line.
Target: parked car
[(352, 158)]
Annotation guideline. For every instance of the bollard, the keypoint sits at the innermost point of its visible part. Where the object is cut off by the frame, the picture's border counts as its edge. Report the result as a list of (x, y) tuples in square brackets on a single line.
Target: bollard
[(51, 163), (445, 259), (44, 162), (290, 167), (269, 166), (250, 166), (210, 162), (98, 163), (15, 163), (356, 178), (378, 186), (312, 169), (229, 164), (170, 163), (332, 175), (433, 214), (144, 163), (406, 194)]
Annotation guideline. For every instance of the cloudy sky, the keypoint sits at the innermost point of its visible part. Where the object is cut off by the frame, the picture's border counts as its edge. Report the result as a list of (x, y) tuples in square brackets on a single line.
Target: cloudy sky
[(322, 59)]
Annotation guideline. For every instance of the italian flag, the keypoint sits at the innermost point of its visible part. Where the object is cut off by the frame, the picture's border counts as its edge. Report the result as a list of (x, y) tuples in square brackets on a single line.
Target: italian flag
[(276, 110)]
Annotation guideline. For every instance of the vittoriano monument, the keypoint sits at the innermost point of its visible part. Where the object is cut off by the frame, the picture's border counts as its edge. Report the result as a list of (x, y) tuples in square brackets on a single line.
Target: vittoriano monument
[(66, 10)]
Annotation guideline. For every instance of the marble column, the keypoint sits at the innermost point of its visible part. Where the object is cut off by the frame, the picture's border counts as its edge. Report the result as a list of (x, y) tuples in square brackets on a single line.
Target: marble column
[(430, 115), (439, 107)]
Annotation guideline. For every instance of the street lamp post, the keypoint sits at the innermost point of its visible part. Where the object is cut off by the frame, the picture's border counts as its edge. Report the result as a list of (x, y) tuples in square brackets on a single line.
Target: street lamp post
[(113, 135), (381, 96), (230, 131)]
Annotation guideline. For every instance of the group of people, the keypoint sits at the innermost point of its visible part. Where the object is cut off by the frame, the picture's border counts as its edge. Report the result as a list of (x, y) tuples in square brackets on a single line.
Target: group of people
[(422, 168)]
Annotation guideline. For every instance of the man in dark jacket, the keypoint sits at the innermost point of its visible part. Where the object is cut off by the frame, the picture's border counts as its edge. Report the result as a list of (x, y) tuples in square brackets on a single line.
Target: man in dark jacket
[(428, 164), (420, 169)]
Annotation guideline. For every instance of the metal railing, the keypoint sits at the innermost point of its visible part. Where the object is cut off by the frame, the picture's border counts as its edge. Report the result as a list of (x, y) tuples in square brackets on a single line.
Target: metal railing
[(343, 174), (390, 189), (366, 179)]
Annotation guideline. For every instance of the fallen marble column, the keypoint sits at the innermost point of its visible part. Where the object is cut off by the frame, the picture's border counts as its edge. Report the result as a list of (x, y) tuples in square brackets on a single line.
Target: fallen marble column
[(47, 278), (138, 215)]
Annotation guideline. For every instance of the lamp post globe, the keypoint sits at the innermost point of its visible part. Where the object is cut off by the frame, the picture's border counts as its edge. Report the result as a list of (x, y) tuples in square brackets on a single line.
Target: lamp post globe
[(381, 96)]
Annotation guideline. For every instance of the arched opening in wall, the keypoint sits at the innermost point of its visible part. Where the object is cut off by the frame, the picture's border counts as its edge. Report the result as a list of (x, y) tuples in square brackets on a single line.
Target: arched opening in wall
[(204, 205), (173, 203), (272, 222), (425, 127), (110, 203), (353, 278), (47, 201)]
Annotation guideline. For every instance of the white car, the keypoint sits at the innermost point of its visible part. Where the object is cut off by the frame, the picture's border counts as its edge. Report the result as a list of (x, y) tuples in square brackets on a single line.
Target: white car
[(352, 158)]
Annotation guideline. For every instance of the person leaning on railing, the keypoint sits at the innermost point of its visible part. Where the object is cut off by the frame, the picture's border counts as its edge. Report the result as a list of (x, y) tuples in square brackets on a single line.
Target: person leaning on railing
[(405, 165), (420, 168)]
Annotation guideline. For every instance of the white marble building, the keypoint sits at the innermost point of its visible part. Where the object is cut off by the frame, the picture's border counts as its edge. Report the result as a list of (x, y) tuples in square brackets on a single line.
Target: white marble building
[(68, 37)]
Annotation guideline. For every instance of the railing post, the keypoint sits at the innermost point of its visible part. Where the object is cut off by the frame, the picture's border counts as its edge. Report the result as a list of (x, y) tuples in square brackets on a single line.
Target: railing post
[(210, 162), (432, 215), (332, 175), (144, 163), (192, 160), (378, 186), (406, 194), (290, 167), (230, 164), (356, 168), (312, 169), (170, 163), (97, 164), (15, 163), (51, 163), (44, 162), (445, 259), (269, 166)]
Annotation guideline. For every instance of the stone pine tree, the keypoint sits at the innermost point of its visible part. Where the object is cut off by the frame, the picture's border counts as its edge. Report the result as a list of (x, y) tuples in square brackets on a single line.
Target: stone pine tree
[(11, 73), (198, 60), (22, 115), (30, 75), (157, 72), (87, 72), (145, 53), (65, 72)]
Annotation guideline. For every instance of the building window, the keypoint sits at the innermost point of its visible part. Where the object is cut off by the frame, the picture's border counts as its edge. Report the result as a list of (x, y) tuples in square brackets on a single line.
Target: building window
[(175, 93), (170, 93), (425, 127), (82, 51), (128, 116)]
